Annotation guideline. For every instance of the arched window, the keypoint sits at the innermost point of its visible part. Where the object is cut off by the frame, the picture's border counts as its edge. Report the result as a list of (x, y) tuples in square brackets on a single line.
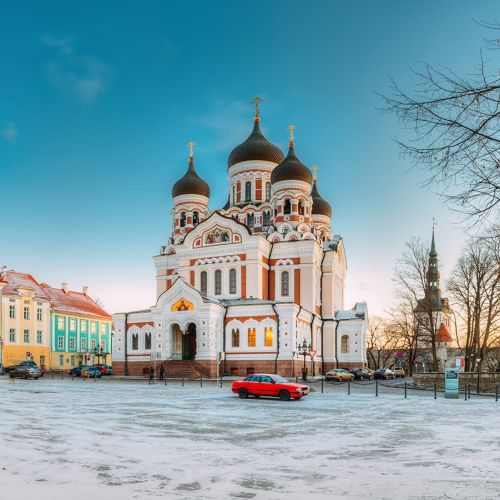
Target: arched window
[(266, 219), (203, 283), (232, 281), (183, 219), (344, 344), (147, 340), (250, 220), (268, 336), (218, 282), (234, 195), (288, 207), (248, 191), (285, 284), (301, 207), (268, 191), (235, 337), (135, 342), (252, 337), (196, 218)]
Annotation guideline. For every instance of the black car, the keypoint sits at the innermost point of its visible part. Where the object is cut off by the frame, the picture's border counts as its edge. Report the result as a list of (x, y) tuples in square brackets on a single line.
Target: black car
[(77, 370), (362, 374), (384, 373), (25, 371)]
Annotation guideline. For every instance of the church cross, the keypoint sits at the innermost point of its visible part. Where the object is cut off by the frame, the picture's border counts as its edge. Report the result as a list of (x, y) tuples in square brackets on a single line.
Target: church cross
[(291, 128), (191, 146), (256, 101)]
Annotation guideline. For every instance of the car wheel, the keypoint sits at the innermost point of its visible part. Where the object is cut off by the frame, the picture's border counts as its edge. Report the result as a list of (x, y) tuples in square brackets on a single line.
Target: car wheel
[(257, 396), (284, 395), (243, 393)]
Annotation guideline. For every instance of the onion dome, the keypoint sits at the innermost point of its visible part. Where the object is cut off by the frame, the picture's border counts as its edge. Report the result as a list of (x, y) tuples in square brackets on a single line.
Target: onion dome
[(291, 168), (191, 183), (227, 205), (320, 205), (256, 147)]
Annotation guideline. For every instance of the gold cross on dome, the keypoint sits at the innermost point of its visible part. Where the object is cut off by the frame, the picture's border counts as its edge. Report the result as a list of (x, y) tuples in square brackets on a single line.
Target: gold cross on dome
[(191, 146), (291, 128), (315, 171), (256, 101)]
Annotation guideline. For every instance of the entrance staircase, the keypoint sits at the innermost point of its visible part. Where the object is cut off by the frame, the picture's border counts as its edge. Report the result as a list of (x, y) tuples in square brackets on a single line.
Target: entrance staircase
[(189, 369)]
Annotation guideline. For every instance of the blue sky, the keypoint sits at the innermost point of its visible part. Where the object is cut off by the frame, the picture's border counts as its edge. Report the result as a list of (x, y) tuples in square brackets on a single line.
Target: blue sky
[(98, 101)]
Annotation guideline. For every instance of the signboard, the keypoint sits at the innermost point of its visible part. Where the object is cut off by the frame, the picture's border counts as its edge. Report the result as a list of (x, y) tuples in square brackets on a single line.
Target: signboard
[(451, 378), (312, 353), (460, 363)]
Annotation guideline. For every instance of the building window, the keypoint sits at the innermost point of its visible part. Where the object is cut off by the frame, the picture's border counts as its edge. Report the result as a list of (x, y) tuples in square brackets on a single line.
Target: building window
[(147, 341), (268, 336), (83, 326), (268, 191), (39, 337), (288, 207), (42, 361), (248, 191), (250, 220), (12, 335), (61, 359), (103, 328), (83, 345), (196, 218), (344, 344), (93, 344), (73, 360), (218, 282), (93, 327), (203, 283), (26, 338), (26, 313), (183, 219), (39, 314), (266, 219), (234, 195), (72, 325), (235, 337), (301, 207), (285, 283), (60, 342), (60, 323), (12, 312), (252, 337), (232, 281), (135, 342), (72, 343)]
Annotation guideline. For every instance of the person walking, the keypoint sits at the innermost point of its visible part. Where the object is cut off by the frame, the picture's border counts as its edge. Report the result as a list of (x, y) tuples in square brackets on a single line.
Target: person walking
[(162, 372), (12, 377), (151, 374)]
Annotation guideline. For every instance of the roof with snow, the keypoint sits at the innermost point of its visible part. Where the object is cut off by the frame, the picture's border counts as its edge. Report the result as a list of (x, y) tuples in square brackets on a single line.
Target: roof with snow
[(443, 334), (359, 311), (14, 281)]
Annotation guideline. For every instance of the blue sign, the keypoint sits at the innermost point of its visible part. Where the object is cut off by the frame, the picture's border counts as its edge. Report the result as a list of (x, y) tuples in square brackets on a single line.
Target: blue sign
[(451, 378)]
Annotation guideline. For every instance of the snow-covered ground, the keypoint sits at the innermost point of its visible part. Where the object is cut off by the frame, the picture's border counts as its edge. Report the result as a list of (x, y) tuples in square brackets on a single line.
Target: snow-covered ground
[(119, 440)]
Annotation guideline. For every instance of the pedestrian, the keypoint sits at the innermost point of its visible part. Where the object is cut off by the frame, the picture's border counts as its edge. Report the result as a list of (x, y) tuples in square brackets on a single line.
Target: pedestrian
[(12, 377), (162, 372), (151, 373)]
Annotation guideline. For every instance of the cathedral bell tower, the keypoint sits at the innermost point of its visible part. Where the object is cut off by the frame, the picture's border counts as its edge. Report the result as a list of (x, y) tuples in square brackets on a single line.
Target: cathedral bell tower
[(191, 195), (433, 291)]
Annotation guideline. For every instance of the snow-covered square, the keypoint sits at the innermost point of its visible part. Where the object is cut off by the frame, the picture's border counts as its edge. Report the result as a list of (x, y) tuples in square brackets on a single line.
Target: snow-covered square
[(117, 440)]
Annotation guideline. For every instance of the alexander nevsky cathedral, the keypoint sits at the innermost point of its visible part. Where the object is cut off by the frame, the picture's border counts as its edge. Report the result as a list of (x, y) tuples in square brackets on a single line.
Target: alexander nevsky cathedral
[(250, 287)]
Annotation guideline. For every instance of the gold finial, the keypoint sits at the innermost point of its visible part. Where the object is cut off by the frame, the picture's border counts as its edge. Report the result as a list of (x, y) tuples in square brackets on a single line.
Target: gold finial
[(315, 172), (256, 101), (291, 128), (191, 146)]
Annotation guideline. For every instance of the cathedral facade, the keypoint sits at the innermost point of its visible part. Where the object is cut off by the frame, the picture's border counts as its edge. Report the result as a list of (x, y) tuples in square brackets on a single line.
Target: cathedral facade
[(249, 287)]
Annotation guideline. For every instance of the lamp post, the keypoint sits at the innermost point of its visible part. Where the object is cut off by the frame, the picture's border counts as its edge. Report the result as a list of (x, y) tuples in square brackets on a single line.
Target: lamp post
[(478, 361), (2, 285), (303, 350), (98, 351)]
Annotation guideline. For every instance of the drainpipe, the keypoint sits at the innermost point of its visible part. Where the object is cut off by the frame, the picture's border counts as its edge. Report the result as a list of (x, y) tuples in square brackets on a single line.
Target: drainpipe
[(126, 345), (224, 340), (277, 338), (321, 312), (1, 327)]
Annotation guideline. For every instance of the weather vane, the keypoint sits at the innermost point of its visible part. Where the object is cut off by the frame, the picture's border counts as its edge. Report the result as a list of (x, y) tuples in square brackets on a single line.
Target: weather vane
[(191, 146), (291, 128), (256, 101)]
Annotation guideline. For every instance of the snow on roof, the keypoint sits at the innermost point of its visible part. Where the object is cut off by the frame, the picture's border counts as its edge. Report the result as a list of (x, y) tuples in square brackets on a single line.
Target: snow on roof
[(357, 312), (15, 280)]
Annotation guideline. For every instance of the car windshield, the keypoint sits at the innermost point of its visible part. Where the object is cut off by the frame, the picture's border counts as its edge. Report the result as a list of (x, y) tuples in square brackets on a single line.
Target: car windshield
[(279, 379)]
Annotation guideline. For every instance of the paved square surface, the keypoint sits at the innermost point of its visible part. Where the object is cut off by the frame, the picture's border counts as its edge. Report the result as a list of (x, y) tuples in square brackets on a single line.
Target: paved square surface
[(116, 440)]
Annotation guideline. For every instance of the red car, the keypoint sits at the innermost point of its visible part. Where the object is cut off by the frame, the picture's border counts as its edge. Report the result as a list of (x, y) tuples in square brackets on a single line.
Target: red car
[(269, 385), (102, 369)]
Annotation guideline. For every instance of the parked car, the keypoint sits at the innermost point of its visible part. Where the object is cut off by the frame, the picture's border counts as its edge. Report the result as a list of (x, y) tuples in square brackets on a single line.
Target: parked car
[(363, 373), (339, 374), (77, 370), (25, 371), (384, 373), (269, 385), (31, 364), (90, 372), (398, 372), (105, 369)]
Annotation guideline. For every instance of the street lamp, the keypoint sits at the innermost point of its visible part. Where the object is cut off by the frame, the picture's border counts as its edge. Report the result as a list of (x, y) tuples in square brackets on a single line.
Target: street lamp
[(98, 351), (478, 361), (303, 350)]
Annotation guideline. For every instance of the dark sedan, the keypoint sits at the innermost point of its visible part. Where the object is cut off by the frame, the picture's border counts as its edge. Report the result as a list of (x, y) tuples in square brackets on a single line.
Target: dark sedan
[(25, 371), (362, 374), (384, 373), (77, 370)]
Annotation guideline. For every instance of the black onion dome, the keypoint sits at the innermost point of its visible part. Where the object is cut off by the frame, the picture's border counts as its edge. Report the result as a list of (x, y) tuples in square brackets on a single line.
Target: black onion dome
[(320, 205), (256, 147), (191, 183), (291, 168)]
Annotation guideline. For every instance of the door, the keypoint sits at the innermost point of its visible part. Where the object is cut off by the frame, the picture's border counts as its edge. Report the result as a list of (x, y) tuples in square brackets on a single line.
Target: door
[(267, 388)]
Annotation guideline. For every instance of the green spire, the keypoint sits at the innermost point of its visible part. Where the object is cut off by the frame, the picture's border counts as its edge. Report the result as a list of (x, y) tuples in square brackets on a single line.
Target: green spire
[(433, 244)]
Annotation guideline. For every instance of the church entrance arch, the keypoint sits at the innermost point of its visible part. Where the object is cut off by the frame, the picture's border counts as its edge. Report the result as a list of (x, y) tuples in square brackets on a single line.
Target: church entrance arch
[(189, 342)]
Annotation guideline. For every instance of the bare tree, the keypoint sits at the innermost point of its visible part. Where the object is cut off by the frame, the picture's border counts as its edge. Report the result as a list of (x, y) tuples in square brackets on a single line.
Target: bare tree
[(455, 132), (475, 289), (381, 343), (98, 301)]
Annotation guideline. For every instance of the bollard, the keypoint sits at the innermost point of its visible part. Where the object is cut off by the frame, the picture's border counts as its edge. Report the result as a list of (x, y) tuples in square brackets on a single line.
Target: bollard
[(182, 381), (201, 380), (165, 378), (296, 380), (348, 387), (376, 388), (221, 381), (322, 386), (435, 390), (406, 395), (469, 391), (496, 392), (62, 374), (465, 392), (52, 374)]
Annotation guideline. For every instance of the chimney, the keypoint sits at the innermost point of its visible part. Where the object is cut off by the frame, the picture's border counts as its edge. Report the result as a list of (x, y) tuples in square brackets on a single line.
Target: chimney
[(85, 290), (65, 287), (4, 272)]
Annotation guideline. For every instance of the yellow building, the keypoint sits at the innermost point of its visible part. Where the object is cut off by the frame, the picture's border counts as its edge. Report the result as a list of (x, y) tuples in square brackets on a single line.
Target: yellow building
[(24, 320)]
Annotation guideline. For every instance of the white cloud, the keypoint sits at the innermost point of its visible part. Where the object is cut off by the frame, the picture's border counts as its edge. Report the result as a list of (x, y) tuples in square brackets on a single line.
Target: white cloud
[(10, 133), (85, 76)]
